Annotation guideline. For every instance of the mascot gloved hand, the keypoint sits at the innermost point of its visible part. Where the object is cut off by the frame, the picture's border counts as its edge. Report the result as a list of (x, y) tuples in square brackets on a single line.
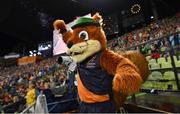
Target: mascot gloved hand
[(104, 78)]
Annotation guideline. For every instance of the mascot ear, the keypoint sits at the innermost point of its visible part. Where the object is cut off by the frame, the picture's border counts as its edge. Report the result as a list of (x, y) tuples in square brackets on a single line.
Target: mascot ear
[(97, 18), (60, 25)]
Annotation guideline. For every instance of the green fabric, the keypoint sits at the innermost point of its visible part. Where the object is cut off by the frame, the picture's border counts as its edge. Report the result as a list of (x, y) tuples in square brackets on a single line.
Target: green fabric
[(83, 20)]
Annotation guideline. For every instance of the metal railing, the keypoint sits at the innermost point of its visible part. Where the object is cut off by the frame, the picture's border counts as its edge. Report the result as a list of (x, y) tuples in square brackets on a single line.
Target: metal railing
[(63, 101), (29, 109)]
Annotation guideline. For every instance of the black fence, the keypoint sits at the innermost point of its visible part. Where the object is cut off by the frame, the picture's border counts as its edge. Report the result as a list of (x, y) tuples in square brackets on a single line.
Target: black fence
[(164, 61)]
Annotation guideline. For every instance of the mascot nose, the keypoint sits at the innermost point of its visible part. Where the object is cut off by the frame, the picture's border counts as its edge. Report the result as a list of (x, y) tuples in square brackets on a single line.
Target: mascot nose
[(70, 44)]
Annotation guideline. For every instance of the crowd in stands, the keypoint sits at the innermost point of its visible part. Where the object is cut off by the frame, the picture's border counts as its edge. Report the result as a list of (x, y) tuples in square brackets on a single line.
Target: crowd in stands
[(164, 27), (157, 42), (26, 81)]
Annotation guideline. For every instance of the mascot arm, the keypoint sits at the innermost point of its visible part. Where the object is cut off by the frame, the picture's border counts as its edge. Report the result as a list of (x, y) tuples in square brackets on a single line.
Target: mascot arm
[(139, 60), (61, 26), (127, 79)]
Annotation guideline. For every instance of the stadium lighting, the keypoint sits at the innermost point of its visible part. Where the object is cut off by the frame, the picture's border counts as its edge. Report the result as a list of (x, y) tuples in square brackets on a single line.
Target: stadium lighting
[(49, 45), (135, 8), (46, 48), (30, 52), (152, 17), (39, 53)]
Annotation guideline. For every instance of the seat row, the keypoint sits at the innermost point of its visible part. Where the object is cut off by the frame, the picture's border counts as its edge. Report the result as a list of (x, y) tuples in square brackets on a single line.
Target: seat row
[(163, 62), (162, 81)]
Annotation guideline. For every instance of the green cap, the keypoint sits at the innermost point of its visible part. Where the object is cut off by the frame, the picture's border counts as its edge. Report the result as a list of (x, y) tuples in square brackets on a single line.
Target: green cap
[(84, 21)]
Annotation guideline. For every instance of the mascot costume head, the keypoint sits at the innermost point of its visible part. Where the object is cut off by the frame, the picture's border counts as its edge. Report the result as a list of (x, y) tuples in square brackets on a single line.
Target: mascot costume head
[(104, 78)]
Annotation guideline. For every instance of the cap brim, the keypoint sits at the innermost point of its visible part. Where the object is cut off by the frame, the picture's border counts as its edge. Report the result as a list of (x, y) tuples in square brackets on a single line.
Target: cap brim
[(85, 24)]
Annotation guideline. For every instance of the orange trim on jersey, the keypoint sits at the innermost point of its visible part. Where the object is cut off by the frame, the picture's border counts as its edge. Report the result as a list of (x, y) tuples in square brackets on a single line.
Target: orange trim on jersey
[(86, 96)]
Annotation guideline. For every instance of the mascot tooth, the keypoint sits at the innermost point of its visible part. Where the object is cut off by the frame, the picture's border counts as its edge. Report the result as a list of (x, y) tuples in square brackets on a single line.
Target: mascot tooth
[(104, 78)]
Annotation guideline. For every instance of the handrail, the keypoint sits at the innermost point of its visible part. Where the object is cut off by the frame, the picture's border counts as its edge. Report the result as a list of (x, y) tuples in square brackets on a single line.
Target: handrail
[(150, 110), (56, 103), (161, 80), (171, 55), (158, 90), (149, 41), (27, 109), (163, 69), (63, 101), (168, 49)]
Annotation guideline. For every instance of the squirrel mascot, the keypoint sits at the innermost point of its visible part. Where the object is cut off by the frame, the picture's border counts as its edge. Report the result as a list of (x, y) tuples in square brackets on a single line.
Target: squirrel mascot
[(104, 78)]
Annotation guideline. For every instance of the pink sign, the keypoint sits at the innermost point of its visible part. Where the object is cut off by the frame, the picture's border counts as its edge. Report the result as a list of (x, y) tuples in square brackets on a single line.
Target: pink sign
[(59, 46)]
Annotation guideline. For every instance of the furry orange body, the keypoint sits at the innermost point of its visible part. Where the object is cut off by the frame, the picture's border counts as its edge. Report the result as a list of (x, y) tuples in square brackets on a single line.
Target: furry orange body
[(129, 70)]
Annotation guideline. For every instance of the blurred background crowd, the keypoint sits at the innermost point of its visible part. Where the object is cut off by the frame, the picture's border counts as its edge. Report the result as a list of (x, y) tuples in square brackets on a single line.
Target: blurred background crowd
[(167, 27), (17, 82)]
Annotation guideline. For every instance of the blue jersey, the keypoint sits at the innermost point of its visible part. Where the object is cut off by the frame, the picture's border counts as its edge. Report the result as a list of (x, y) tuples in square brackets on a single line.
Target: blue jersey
[(93, 77)]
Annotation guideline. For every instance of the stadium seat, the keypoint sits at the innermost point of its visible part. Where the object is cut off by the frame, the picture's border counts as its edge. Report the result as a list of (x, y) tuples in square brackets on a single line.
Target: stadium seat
[(150, 77), (161, 85), (169, 59), (161, 60), (170, 84), (149, 51), (177, 63), (169, 75), (163, 49), (148, 58), (155, 75), (166, 65), (175, 58), (154, 66), (152, 61), (148, 85)]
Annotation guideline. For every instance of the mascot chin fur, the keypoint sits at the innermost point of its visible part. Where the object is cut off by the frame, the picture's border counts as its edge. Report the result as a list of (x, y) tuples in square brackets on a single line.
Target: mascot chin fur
[(104, 78)]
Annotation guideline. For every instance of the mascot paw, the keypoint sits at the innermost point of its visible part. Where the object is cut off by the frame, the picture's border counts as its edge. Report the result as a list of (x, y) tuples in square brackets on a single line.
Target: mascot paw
[(60, 25)]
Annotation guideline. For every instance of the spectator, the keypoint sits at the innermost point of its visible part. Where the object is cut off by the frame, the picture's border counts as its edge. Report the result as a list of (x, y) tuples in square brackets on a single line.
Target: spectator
[(48, 93), (31, 95)]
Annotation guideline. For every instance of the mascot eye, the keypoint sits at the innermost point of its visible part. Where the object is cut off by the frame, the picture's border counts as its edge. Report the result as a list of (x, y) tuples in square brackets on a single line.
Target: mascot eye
[(83, 35)]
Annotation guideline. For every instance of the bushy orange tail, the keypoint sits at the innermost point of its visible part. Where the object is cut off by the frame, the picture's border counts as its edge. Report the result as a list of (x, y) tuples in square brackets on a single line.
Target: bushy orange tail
[(139, 60)]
